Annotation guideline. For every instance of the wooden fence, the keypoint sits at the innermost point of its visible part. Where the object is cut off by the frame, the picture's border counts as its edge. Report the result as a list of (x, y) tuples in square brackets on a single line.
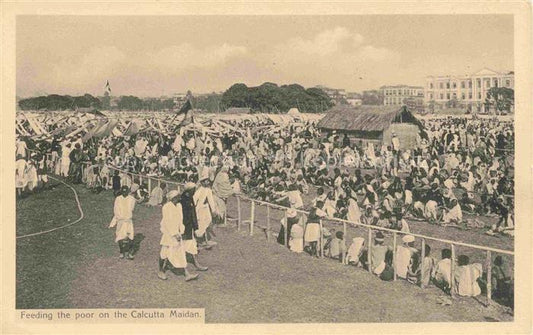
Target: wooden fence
[(150, 181)]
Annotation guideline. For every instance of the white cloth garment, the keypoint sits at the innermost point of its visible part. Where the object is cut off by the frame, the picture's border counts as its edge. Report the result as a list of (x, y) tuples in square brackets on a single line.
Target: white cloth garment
[(20, 175), (454, 215), (466, 278), (403, 256), (444, 270), (123, 217), (171, 228), (205, 204), (354, 212), (296, 243), (355, 249)]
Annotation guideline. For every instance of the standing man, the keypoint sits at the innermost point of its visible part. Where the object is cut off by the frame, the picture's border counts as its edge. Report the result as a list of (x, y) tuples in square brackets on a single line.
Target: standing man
[(65, 158), (222, 190), (205, 204), (172, 245), (190, 222), (122, 219)]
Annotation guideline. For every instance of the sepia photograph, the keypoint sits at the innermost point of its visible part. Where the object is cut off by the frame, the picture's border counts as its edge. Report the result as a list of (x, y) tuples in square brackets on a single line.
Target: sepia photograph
[(267, 169)]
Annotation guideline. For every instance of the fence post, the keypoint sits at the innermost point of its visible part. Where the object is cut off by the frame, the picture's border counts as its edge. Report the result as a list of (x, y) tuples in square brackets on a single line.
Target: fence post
[(394, 237), (489, 277), (369, 253), (305, 227), (286, 229), (225, 212), (252, 218), (321, 240), (344, 229), (238, 213), (452, 272), (268, 222), (149, 185), (422, 263), (140, 179)]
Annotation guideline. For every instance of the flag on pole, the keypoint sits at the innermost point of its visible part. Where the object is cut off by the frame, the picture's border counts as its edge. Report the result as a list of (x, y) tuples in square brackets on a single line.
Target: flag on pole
[(185, 108)]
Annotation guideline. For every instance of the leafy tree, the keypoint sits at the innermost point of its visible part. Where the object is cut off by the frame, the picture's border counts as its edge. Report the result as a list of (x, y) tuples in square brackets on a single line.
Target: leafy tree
[(271, 98), (500, 98), (130, 102), (59, 102), (373, 97)]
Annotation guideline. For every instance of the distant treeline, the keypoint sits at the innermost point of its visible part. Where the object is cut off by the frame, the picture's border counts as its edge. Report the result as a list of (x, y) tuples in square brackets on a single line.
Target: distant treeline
[(271, 98), (60, 102), (267, 98), (133, 103)]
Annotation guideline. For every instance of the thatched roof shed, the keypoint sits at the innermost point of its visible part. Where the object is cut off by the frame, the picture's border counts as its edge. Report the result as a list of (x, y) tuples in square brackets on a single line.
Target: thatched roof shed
[(366, 118), (372, 123)]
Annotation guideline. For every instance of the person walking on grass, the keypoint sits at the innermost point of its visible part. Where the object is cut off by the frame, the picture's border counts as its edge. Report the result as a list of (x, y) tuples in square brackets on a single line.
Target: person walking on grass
[(173, 254), (205, 208), (123, 220), (190, 221)]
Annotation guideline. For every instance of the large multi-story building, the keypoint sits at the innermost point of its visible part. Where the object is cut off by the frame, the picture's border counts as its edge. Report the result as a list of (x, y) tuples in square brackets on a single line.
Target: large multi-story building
[(400, 94), (468, 91)]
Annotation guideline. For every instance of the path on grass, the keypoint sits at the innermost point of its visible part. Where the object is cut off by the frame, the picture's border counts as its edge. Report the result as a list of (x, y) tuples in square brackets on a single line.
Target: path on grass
[(249, 279)]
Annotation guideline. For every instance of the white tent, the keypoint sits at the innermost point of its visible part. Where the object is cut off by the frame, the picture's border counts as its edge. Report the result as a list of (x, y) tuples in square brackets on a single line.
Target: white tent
[(293, 112)]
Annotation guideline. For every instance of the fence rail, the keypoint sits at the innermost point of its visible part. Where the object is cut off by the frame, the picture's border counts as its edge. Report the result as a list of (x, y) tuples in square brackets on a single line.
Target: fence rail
[(251, 221)]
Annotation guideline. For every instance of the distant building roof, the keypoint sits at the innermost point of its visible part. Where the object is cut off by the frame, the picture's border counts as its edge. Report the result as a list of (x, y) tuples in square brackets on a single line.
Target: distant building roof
[(365, 118), (402, 86)]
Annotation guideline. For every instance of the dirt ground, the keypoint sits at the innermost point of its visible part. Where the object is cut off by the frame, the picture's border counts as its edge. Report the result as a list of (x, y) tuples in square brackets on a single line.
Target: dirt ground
[(249, 279)]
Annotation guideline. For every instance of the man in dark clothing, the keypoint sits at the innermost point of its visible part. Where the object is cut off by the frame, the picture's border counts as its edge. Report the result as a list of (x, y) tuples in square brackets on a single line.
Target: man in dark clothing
[(190, 221), (345, 141), (75, 159)]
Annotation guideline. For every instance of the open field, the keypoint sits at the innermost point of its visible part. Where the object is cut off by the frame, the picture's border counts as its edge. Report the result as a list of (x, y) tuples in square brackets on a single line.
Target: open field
[(249, 279)]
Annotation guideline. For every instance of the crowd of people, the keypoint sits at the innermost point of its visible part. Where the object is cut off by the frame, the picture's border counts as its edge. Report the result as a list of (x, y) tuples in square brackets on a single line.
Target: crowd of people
[(457, 166)]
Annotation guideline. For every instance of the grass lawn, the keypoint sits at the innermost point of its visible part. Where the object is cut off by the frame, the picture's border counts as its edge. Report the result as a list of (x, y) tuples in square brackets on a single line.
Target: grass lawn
[(249, 280)]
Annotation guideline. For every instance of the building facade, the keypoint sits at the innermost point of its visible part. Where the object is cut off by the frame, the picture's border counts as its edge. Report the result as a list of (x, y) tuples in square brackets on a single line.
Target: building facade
[(469, 91), (399, 94)]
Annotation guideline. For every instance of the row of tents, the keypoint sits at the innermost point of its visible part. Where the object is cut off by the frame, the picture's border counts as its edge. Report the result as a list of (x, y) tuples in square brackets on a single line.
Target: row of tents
[(359, 124)]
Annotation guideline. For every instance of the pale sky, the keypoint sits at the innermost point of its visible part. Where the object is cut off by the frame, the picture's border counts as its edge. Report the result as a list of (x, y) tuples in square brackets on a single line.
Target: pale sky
[(162, 55)]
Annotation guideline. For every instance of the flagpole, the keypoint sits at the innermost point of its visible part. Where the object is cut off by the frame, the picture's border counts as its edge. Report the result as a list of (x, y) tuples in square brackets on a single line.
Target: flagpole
[(178, 113)]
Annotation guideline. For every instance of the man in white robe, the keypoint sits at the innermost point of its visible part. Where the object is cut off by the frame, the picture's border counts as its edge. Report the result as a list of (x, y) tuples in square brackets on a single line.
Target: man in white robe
[(296, 242), (157, 195), (205, 206), (443, 270), (65, 159), (222, 190), (355, 250), (20, 174), (466, 276), (172, 244), (454, 215), (354, 212), (123, 220), (403, 255)]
